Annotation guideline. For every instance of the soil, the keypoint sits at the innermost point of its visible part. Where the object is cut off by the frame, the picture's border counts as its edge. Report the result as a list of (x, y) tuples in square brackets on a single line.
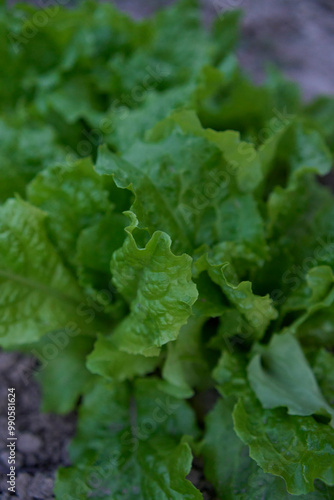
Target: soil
[(42, 438), (295, 35)]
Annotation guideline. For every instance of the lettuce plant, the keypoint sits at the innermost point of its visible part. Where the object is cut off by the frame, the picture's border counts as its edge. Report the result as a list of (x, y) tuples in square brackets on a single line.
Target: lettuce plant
[(164, 234)]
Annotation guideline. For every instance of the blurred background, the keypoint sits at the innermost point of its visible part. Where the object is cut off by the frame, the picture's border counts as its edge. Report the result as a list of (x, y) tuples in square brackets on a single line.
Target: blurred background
[(295, 35)]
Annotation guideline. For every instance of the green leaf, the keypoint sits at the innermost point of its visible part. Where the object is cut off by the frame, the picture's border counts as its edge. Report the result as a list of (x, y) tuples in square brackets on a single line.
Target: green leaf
[(320, 279), (258, 311), (189, 358), (135, 446), (172, 83), (232, 102), (297, 207), (234, 474), (231, 375), (281, 376), (107, 360), (38, 294), (73, 100), (299, 449), (322, 363), (26, 147), (186, 366), (158, 287), (97, 243), (74, 198), (320, 111), (95, 247), (302, 209), (200, 181), (233, 330), (316, 330), (312, 290), (299, 150), (321, 310), (64, 377), (242, 158), (129, 125)]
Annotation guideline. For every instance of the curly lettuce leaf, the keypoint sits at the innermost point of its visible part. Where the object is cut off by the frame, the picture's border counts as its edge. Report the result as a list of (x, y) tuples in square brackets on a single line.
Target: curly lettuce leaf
[(135, 446), (241, 156), (232, 471), (64, 377), (298, 149), (299, 449), (26, 147), (187, 362), (322, 363), (74, 197), (230, 374), (201, 181), (38, 293), (297, 207), (95, 246), (280, 376), (157, 79), (157, 285), (318, 313), (257, 311), (107, 360), (312, 290)]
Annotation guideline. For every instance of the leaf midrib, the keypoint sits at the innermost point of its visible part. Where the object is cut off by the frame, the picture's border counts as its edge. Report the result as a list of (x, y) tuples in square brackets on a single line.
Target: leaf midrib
[(39, 286)]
